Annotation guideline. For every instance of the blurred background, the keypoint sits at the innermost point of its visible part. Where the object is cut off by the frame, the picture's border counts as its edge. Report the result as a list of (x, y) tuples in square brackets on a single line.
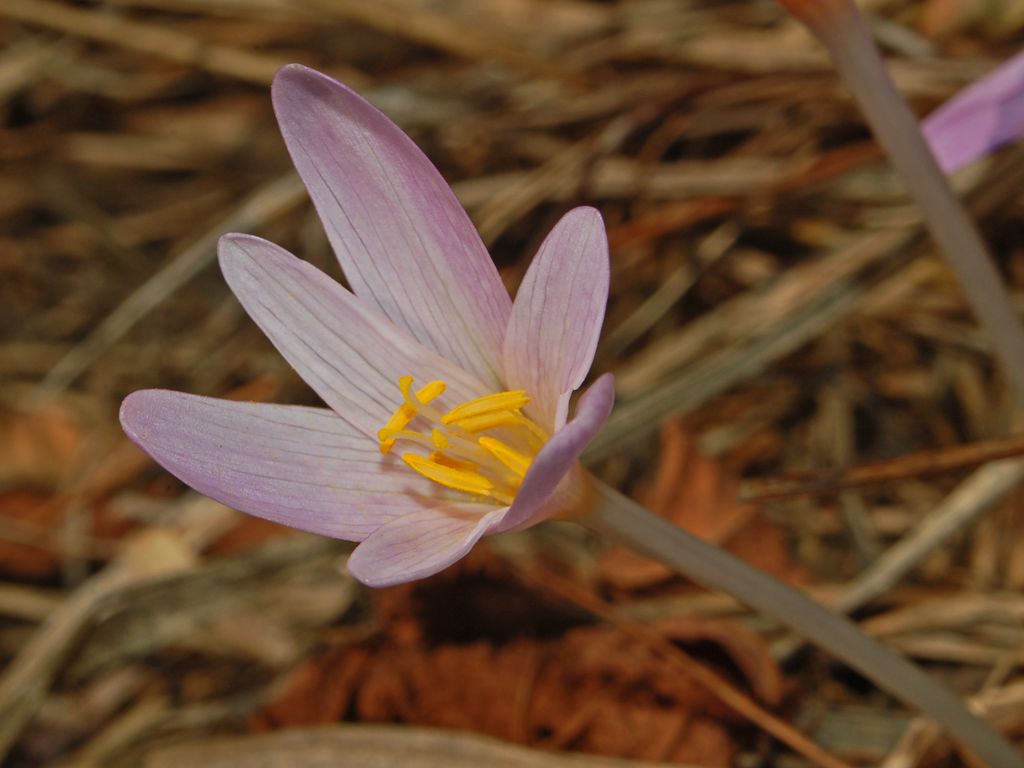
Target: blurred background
[(777, 315)]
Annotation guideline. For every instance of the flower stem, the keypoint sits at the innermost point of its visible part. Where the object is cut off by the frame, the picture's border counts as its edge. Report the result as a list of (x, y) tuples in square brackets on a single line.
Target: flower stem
[(622, 519), (841, 27)]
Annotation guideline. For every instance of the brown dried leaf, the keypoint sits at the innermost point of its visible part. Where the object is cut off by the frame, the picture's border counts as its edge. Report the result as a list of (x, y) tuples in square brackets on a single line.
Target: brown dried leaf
[(590, 688), (26, 518), (698, 494), (38, 446), (746, 649), (595, 690)]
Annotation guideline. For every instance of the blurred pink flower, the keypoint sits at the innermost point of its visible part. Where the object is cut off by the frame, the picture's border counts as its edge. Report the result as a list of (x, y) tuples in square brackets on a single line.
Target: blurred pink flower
[(979, 119), (448, 402)]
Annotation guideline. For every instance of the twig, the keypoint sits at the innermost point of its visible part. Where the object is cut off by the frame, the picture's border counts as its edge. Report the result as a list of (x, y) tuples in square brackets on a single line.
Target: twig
[(265, 204), (26, 680), (965, 504), (403, 745), (425, 26), (921, 464), (561, 174), (28, 603), (144, 38), (815, 299), (921, 735), (128, 727), (653, 308)]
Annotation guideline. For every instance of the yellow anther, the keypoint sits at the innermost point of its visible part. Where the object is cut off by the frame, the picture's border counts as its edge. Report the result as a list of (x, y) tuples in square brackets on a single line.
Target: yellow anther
[(459, 479), (439, 438), (487, 421), (429, 391), (449, 461), (407, 411), (500, 401), (399, 421), (507, 455)]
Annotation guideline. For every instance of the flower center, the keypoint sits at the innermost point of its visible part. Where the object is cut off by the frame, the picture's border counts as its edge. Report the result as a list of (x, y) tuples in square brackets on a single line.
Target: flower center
[(483, 446)]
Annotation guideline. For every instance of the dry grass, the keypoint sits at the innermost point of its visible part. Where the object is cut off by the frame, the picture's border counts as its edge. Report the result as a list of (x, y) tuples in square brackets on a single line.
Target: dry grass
[(771, 287)]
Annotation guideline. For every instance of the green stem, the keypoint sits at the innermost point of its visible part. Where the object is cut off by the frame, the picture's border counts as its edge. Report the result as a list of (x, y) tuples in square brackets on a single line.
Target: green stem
[(622, 519)]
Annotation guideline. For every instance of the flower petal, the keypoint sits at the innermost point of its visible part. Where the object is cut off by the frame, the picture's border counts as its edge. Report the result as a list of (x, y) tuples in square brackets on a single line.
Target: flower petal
[(543, 492), (557, 315), (303, 467), (349, 353), (979, 119), (403, 239), (422, 543)]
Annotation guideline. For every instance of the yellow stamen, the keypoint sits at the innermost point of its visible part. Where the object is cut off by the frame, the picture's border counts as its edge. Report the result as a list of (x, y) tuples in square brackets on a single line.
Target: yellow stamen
[(461, 456), (475, 424), (500, 401), (459, 479), (504, 498), (408, 410), (507, 455), (391, 436), (535, 430), (449, 461), (429, 391)]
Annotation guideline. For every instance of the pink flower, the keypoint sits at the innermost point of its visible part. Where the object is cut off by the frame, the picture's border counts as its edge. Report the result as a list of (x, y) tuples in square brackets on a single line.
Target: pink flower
[(979, 119), (447, 401)]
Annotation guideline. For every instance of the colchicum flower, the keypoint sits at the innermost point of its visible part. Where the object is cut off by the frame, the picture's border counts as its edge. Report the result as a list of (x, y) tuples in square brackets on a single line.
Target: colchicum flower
[(981, 118), (448, 402)]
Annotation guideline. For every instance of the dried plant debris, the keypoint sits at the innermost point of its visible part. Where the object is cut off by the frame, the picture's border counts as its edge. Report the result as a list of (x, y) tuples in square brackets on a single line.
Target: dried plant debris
[(778, 326), (325, 747), (698, 494), (590, 688)]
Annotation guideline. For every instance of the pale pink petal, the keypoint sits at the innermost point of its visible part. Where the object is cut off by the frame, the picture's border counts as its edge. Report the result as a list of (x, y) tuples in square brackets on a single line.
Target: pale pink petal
[(422, 543), (557, 315), (980, 118), (348, 352), (547, 485), (403, 239), (303, 467)]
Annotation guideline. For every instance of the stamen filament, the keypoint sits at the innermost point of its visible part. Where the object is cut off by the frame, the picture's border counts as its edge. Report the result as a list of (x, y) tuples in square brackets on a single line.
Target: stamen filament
[(408, 410), (507, 455), (424, 395), (535, 430), (389, 437), (470, 449), (504, 498)]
